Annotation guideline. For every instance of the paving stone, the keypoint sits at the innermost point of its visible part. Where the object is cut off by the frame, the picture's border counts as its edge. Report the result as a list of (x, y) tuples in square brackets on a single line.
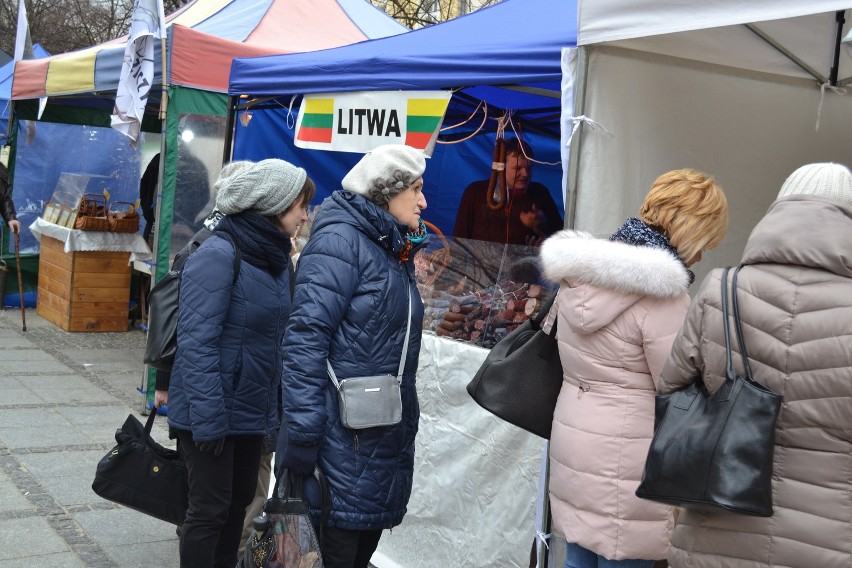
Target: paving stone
[(31, 537), (11, 499), (55, 560), (122, 526), (160, 554)]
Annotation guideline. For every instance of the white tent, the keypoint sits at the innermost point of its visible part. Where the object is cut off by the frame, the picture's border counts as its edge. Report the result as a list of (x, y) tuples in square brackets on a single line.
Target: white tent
[(732, 88)]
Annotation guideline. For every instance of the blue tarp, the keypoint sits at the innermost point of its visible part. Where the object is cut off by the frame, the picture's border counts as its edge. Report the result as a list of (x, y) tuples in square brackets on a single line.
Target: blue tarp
[(6, 72), (483, 56)]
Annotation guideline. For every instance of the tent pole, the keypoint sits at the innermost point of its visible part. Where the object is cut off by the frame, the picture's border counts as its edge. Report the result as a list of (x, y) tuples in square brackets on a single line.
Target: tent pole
[(787, 53), (230, 132), (580, 84), (839, 17)]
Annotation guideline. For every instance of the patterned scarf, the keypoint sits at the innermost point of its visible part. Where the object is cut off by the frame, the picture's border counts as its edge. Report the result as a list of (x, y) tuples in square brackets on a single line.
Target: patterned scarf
[(635, 232), (412, 239)]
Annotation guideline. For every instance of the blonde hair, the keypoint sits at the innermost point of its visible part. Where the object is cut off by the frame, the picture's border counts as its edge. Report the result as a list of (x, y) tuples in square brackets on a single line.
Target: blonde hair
[(689, 208)]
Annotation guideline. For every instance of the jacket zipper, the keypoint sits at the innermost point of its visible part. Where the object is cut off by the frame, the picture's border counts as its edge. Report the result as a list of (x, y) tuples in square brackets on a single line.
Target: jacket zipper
[(356, 442), (583, 388)]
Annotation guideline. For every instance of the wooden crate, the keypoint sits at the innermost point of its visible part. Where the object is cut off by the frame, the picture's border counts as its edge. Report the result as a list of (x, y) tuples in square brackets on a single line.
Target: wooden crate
[(83, 290)]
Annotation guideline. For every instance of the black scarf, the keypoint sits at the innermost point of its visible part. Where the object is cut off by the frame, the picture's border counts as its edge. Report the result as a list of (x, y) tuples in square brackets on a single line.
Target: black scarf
[(261, 243), (635, 232)]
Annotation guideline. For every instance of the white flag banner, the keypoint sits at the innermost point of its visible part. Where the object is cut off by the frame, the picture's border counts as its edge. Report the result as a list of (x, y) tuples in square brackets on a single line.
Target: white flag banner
[(23, 43), (147, 25)]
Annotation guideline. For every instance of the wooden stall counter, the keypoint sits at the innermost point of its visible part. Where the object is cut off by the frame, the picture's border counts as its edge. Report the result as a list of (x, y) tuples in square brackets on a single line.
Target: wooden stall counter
[(85, 290)]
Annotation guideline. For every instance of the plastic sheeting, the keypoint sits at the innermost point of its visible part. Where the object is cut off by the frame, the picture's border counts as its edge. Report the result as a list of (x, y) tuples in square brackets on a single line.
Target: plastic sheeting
[(475, 476)]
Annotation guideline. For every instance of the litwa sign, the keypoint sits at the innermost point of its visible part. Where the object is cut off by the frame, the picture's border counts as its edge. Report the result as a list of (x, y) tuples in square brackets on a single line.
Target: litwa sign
[(358, 122)]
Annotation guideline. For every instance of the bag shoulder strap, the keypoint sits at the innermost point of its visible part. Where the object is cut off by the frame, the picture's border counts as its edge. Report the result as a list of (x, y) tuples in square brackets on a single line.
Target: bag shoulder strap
[(333, 377), (729, 360)]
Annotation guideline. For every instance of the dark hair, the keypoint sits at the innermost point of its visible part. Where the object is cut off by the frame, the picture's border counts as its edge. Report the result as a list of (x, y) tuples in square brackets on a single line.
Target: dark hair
[(306, 194), (514, 145)]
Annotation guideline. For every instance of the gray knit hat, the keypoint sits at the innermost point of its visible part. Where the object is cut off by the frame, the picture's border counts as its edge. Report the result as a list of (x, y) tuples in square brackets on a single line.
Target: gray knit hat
[(268, 187), (833, 181), (385, 171)]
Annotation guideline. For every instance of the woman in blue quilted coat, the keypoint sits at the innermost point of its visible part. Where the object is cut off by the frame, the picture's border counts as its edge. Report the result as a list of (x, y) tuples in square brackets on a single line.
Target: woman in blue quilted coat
[(224, 394), (351, 307)]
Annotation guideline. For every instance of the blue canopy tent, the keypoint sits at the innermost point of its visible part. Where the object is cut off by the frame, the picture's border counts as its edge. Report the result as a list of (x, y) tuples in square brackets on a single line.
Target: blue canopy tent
[(506, 56)]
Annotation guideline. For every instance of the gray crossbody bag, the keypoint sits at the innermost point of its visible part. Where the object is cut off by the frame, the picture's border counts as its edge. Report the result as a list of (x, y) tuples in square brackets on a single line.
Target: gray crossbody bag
[(368, 402)]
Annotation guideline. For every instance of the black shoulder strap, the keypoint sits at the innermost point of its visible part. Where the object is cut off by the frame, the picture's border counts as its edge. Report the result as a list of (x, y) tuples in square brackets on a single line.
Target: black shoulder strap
[(230, 239), (292, 271)]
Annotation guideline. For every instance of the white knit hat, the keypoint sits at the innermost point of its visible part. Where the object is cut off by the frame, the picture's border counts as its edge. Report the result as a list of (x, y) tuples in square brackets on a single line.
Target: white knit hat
[(833, 181), (268, 187), (385, 171)]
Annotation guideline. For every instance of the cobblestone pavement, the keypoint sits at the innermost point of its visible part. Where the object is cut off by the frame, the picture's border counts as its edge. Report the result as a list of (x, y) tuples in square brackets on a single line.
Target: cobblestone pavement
[(62, 396)]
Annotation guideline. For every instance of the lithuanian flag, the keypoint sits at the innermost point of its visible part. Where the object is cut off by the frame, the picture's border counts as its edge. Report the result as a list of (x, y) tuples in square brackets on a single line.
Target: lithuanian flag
[(317, 121), (424, 117)]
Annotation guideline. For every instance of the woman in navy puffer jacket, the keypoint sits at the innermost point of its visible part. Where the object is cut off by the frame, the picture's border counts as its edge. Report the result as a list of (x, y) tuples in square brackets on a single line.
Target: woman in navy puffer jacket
[(224, 390), (351, 307)]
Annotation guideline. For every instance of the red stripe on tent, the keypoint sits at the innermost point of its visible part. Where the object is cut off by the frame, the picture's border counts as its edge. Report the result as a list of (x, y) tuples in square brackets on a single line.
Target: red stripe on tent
[(294, 25), (418, 140), (315, 135), (203, 61), (30, 79)]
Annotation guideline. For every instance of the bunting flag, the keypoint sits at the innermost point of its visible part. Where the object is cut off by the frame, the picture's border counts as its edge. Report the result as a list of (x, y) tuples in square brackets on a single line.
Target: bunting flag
[(358, 122), (147, 25)]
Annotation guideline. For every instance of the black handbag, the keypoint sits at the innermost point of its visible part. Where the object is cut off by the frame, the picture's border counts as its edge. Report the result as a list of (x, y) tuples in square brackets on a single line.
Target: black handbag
[(521, 377), (284, 535), (715, 451), (141, 474)]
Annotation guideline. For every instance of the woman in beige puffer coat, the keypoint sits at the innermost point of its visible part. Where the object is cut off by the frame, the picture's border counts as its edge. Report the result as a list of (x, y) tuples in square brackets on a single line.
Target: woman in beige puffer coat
[(795, 303), (620, 304)]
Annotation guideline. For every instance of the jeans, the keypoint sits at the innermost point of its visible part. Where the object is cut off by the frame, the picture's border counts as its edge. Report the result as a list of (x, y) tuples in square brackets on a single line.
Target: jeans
[(220, 489), (348, 549), (578, 557)]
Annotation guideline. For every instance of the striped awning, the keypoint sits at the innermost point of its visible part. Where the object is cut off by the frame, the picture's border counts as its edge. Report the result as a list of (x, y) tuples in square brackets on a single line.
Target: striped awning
[(203, 37)]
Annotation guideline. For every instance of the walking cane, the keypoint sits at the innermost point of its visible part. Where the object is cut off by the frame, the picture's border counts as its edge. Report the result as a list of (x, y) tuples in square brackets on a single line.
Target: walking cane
[(20, 278)]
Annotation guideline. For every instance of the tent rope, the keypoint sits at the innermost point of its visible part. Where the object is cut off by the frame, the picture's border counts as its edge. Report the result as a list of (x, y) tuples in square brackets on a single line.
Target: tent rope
[(822, 87), (462, 123)]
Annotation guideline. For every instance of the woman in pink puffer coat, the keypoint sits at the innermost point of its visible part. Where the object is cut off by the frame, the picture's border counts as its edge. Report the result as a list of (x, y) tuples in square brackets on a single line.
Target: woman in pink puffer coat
[(621, 302)]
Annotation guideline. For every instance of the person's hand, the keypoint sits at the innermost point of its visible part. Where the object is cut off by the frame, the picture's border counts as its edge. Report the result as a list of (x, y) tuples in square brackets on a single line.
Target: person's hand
[(298, 459), (161, 398), (533, 218), (15, 226), (211, 446)]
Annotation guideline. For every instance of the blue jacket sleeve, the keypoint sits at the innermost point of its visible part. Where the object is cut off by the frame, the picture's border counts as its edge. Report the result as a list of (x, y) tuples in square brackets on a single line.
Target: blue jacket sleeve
[(205, 297), (326, 280)]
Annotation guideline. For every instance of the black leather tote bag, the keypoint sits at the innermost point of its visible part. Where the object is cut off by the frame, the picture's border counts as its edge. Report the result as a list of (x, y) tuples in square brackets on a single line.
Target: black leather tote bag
[(143, 475), (715, 451), (520, 378)]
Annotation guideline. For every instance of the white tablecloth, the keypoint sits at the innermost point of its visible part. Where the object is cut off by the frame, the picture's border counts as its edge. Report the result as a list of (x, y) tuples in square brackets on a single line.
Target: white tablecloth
[(475, 476), (77, 240)]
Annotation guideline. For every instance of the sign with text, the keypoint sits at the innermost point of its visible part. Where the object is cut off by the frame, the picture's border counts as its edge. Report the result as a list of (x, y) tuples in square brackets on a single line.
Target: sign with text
[(358, 122)]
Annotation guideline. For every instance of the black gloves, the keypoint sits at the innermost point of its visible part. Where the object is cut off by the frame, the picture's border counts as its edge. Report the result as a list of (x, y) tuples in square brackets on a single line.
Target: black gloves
[(211, 446), (299, 459)]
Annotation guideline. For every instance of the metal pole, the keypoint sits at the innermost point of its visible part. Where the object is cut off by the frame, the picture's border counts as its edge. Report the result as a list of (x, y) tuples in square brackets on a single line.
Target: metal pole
[(20, 279), (574, 151)]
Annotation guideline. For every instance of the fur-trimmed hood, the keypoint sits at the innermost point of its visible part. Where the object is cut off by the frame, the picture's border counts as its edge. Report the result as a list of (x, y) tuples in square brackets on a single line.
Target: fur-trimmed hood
[(605, 278), (580, 258)]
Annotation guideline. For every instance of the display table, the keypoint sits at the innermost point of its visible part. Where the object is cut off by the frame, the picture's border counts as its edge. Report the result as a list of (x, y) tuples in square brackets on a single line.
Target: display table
[(84, 276), (475, 476)]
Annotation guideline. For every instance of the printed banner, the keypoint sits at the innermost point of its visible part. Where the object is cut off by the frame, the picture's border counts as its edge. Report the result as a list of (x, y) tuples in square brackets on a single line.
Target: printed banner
[(358, 122), (148, 24)]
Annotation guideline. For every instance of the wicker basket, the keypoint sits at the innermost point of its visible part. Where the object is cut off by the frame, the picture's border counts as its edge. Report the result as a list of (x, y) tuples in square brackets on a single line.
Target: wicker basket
[(92, 213), (123, 219)]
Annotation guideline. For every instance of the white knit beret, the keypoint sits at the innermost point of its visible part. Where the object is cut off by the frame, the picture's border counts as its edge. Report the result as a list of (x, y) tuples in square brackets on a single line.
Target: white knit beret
[(385, 171), (268, 186), (833, 181)]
